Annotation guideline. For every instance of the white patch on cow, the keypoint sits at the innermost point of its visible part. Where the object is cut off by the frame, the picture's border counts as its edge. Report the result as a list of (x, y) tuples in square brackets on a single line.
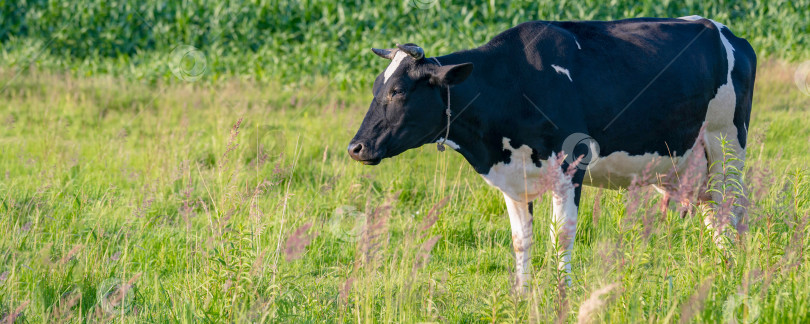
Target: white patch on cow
[(720, 114), (518, 178), (720, 26), (577, 42), (618, 169), (449, 143), (691, 18), (696, 17), (562, 70), (394, 65)]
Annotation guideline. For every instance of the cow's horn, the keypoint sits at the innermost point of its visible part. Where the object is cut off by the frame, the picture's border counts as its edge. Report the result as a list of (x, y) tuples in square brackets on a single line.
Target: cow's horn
[(384, 53), (412, 50)]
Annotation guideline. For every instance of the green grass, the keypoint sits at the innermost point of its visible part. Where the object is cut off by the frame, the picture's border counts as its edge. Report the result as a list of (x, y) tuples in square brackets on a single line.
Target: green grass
[(107, 181)]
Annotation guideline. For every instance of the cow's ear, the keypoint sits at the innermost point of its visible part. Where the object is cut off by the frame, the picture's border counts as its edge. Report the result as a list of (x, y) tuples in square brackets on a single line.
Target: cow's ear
[(451, 74)]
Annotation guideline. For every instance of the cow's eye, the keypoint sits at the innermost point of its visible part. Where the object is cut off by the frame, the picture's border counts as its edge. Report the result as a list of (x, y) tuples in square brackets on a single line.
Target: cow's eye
[(396, 92)]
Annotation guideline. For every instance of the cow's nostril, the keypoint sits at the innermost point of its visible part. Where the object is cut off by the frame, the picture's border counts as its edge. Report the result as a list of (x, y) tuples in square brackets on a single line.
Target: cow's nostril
[(354, 151), (357, 148)]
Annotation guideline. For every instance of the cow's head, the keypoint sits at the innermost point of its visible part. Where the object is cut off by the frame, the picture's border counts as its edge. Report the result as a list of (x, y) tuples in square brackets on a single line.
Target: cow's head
[(408, 106)]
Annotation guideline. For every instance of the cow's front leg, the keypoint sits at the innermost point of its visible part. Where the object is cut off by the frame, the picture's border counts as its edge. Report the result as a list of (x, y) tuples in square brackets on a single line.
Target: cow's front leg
[(565, 196), (520, 217)]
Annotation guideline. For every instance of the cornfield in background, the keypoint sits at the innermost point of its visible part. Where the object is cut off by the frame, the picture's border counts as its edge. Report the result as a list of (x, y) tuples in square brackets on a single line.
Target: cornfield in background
[(295, 41)]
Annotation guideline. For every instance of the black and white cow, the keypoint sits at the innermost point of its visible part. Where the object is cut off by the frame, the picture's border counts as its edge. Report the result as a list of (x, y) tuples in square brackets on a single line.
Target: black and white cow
[(641, 88)]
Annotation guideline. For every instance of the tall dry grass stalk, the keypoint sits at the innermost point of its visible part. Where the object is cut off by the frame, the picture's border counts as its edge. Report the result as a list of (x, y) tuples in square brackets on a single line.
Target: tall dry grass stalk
[(12, 317), (284, 203), (563, 305), (297, 242), (374, 238), (597, 206), (423, 252), (64, 311), (696, 301), (591, 306), (231, 145)]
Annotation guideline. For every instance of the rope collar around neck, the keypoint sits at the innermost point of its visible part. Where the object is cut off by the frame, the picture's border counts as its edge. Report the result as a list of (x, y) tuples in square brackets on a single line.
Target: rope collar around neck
[(440, 145)]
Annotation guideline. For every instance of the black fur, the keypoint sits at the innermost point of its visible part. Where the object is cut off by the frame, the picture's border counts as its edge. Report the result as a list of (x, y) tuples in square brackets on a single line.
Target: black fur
[(612, 97)]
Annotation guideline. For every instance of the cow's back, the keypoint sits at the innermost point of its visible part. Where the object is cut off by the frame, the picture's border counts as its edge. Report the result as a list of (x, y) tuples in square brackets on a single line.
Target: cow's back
[(643, 87)]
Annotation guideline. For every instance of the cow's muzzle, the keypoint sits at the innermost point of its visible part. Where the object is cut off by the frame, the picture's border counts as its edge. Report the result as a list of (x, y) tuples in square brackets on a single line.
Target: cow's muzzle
[(360, 152)]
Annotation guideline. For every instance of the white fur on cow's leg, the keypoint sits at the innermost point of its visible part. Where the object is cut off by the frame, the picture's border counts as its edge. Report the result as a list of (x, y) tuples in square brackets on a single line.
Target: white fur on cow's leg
[(564, 223), (521, 220), (714, 220)]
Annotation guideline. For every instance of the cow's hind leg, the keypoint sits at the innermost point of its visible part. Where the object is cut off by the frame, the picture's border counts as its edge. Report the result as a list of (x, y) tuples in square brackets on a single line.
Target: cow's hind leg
[(727, 118), (520, 217), (726, 159)]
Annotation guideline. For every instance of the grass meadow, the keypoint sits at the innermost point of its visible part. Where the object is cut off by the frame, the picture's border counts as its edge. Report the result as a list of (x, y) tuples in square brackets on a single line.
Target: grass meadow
[(188, 202), (185, 162)]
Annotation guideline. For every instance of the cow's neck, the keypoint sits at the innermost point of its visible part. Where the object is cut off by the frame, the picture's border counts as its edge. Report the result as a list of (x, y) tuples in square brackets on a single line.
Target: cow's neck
[(479, 128), (467, 130)]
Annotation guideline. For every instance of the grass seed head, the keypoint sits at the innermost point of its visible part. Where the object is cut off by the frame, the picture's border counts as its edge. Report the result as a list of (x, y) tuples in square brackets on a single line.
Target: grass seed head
[(297, 242), (594, 303)]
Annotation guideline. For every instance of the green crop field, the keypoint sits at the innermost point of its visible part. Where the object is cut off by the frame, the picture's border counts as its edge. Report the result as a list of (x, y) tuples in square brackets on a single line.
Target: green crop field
[(142, 185)]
